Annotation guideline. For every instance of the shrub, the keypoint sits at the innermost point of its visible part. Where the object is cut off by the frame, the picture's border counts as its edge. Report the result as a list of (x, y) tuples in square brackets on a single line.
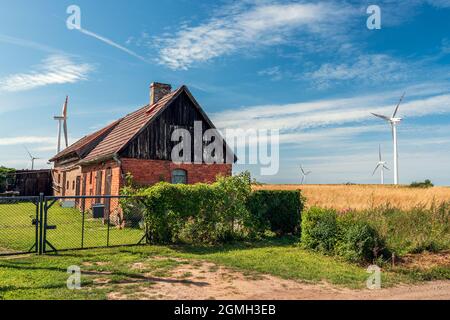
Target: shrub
[(319, 229), (426, 184), (357, 241), (208, 213), (275, 210), (194, 213), (324, 231), (411, 231), (5, 178)]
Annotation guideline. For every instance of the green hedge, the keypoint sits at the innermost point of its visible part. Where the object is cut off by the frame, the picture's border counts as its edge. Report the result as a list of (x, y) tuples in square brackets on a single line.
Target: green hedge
[(208, 213), (357, 241), (319, 229), (276, 210)]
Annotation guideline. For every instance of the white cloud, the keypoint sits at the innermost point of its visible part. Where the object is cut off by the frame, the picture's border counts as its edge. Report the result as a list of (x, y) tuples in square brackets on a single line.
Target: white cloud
[(274, 73), (27, 44), (336, 119), (248, 27), (445, 46), (439, 3), (375, 68), (25, 140), (56, 69)]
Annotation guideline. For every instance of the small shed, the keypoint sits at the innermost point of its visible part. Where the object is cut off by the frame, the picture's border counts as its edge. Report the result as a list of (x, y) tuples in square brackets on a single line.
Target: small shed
[(32, 182)]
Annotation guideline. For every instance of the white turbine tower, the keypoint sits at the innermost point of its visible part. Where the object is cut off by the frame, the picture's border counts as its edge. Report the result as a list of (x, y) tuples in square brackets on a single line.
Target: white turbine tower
[(393, 121), (381, 164), (304, 174), (32, 158), (62, 124)]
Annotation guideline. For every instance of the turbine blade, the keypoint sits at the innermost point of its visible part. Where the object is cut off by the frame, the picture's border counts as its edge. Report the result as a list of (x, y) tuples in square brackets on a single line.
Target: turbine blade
[(64, 110), (386, 167), (301, 168), (398, 105), (65, 133), (379, 151), (381, 116), (26, 149), (376, 168)]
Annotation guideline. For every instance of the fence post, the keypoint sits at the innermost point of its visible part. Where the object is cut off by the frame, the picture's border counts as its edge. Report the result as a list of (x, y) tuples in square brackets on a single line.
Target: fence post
[(82, 228), (107, 232), (41, 220)]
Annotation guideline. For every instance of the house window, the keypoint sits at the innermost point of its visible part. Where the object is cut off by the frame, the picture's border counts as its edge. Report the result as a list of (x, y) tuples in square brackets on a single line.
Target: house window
[(59, 178), (67, 187), (73, 185), (90, 177), (179, 176)]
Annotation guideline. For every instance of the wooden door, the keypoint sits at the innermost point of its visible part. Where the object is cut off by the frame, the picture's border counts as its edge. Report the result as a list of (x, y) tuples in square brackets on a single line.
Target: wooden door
[(77, 190), (108, 179), (83, 192), (98, 185)]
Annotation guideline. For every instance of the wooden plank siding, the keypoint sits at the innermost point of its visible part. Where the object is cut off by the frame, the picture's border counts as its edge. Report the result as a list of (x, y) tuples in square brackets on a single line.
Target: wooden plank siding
[(154, 141)]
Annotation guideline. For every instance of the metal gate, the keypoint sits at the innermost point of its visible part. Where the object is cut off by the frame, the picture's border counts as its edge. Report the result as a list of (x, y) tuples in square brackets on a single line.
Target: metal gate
[(51, 224), (19, 223)]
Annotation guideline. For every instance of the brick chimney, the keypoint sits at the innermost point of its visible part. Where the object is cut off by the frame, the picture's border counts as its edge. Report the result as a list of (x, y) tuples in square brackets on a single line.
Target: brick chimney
[(158, 90)]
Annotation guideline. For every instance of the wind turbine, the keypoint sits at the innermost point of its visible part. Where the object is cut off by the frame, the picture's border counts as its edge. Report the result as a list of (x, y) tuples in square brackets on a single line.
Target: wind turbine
[(31, 158), (62, 124), (304, 174), (393, 121), (381, 164)]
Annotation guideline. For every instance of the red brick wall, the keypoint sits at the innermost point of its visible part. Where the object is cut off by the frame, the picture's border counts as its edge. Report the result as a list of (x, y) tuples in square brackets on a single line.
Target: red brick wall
[(148, 172), (90, 173), (67, 178), (144, 172)]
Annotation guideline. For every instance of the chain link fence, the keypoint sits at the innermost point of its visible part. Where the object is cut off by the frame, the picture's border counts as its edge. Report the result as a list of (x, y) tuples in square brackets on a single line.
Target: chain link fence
[(18, 225), (52, 224)]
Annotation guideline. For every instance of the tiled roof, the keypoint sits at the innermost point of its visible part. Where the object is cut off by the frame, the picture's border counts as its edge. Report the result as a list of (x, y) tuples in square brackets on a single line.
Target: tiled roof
[(81, 145), (119, 133)]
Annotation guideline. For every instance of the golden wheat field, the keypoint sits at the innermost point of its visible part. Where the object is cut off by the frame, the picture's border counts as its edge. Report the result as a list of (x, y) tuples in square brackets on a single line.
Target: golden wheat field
[(341, 197)]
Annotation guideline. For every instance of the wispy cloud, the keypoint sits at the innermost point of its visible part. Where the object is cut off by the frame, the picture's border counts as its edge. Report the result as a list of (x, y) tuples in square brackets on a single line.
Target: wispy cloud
[(333, 118), (56, 69), (445, 46), (274, 73), (439, 3), (21, 140), (372, 68), (248, 26), (27, 43)]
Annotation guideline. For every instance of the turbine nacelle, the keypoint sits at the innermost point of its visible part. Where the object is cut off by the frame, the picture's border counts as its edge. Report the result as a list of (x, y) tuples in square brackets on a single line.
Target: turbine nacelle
[(394, 121)]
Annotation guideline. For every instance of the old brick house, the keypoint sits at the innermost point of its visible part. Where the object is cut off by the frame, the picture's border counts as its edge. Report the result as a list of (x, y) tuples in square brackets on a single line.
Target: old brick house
[(139, 144)]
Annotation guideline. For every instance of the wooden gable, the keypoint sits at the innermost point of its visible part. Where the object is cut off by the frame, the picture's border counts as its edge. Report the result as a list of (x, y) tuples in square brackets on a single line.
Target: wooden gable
[(153, 142)]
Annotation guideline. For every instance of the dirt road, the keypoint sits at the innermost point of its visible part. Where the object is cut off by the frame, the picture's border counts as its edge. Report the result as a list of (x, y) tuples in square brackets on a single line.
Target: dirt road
[(205, 280)]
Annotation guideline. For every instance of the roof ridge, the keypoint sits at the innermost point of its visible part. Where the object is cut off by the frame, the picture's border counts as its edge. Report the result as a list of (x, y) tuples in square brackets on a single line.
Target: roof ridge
[(123, 130)]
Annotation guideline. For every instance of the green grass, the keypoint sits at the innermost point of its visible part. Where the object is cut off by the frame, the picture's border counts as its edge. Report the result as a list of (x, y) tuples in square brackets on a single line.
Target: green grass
[(410, 231), (112, 269), (44, 277), (18, 234), (16, 231)]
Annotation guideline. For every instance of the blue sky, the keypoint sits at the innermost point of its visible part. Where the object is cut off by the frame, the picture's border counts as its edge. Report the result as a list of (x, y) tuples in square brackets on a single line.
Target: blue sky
[(311, 69)]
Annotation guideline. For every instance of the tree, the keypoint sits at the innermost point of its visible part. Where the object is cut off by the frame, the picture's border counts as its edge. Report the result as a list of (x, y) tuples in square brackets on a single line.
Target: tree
[(6, 177)]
